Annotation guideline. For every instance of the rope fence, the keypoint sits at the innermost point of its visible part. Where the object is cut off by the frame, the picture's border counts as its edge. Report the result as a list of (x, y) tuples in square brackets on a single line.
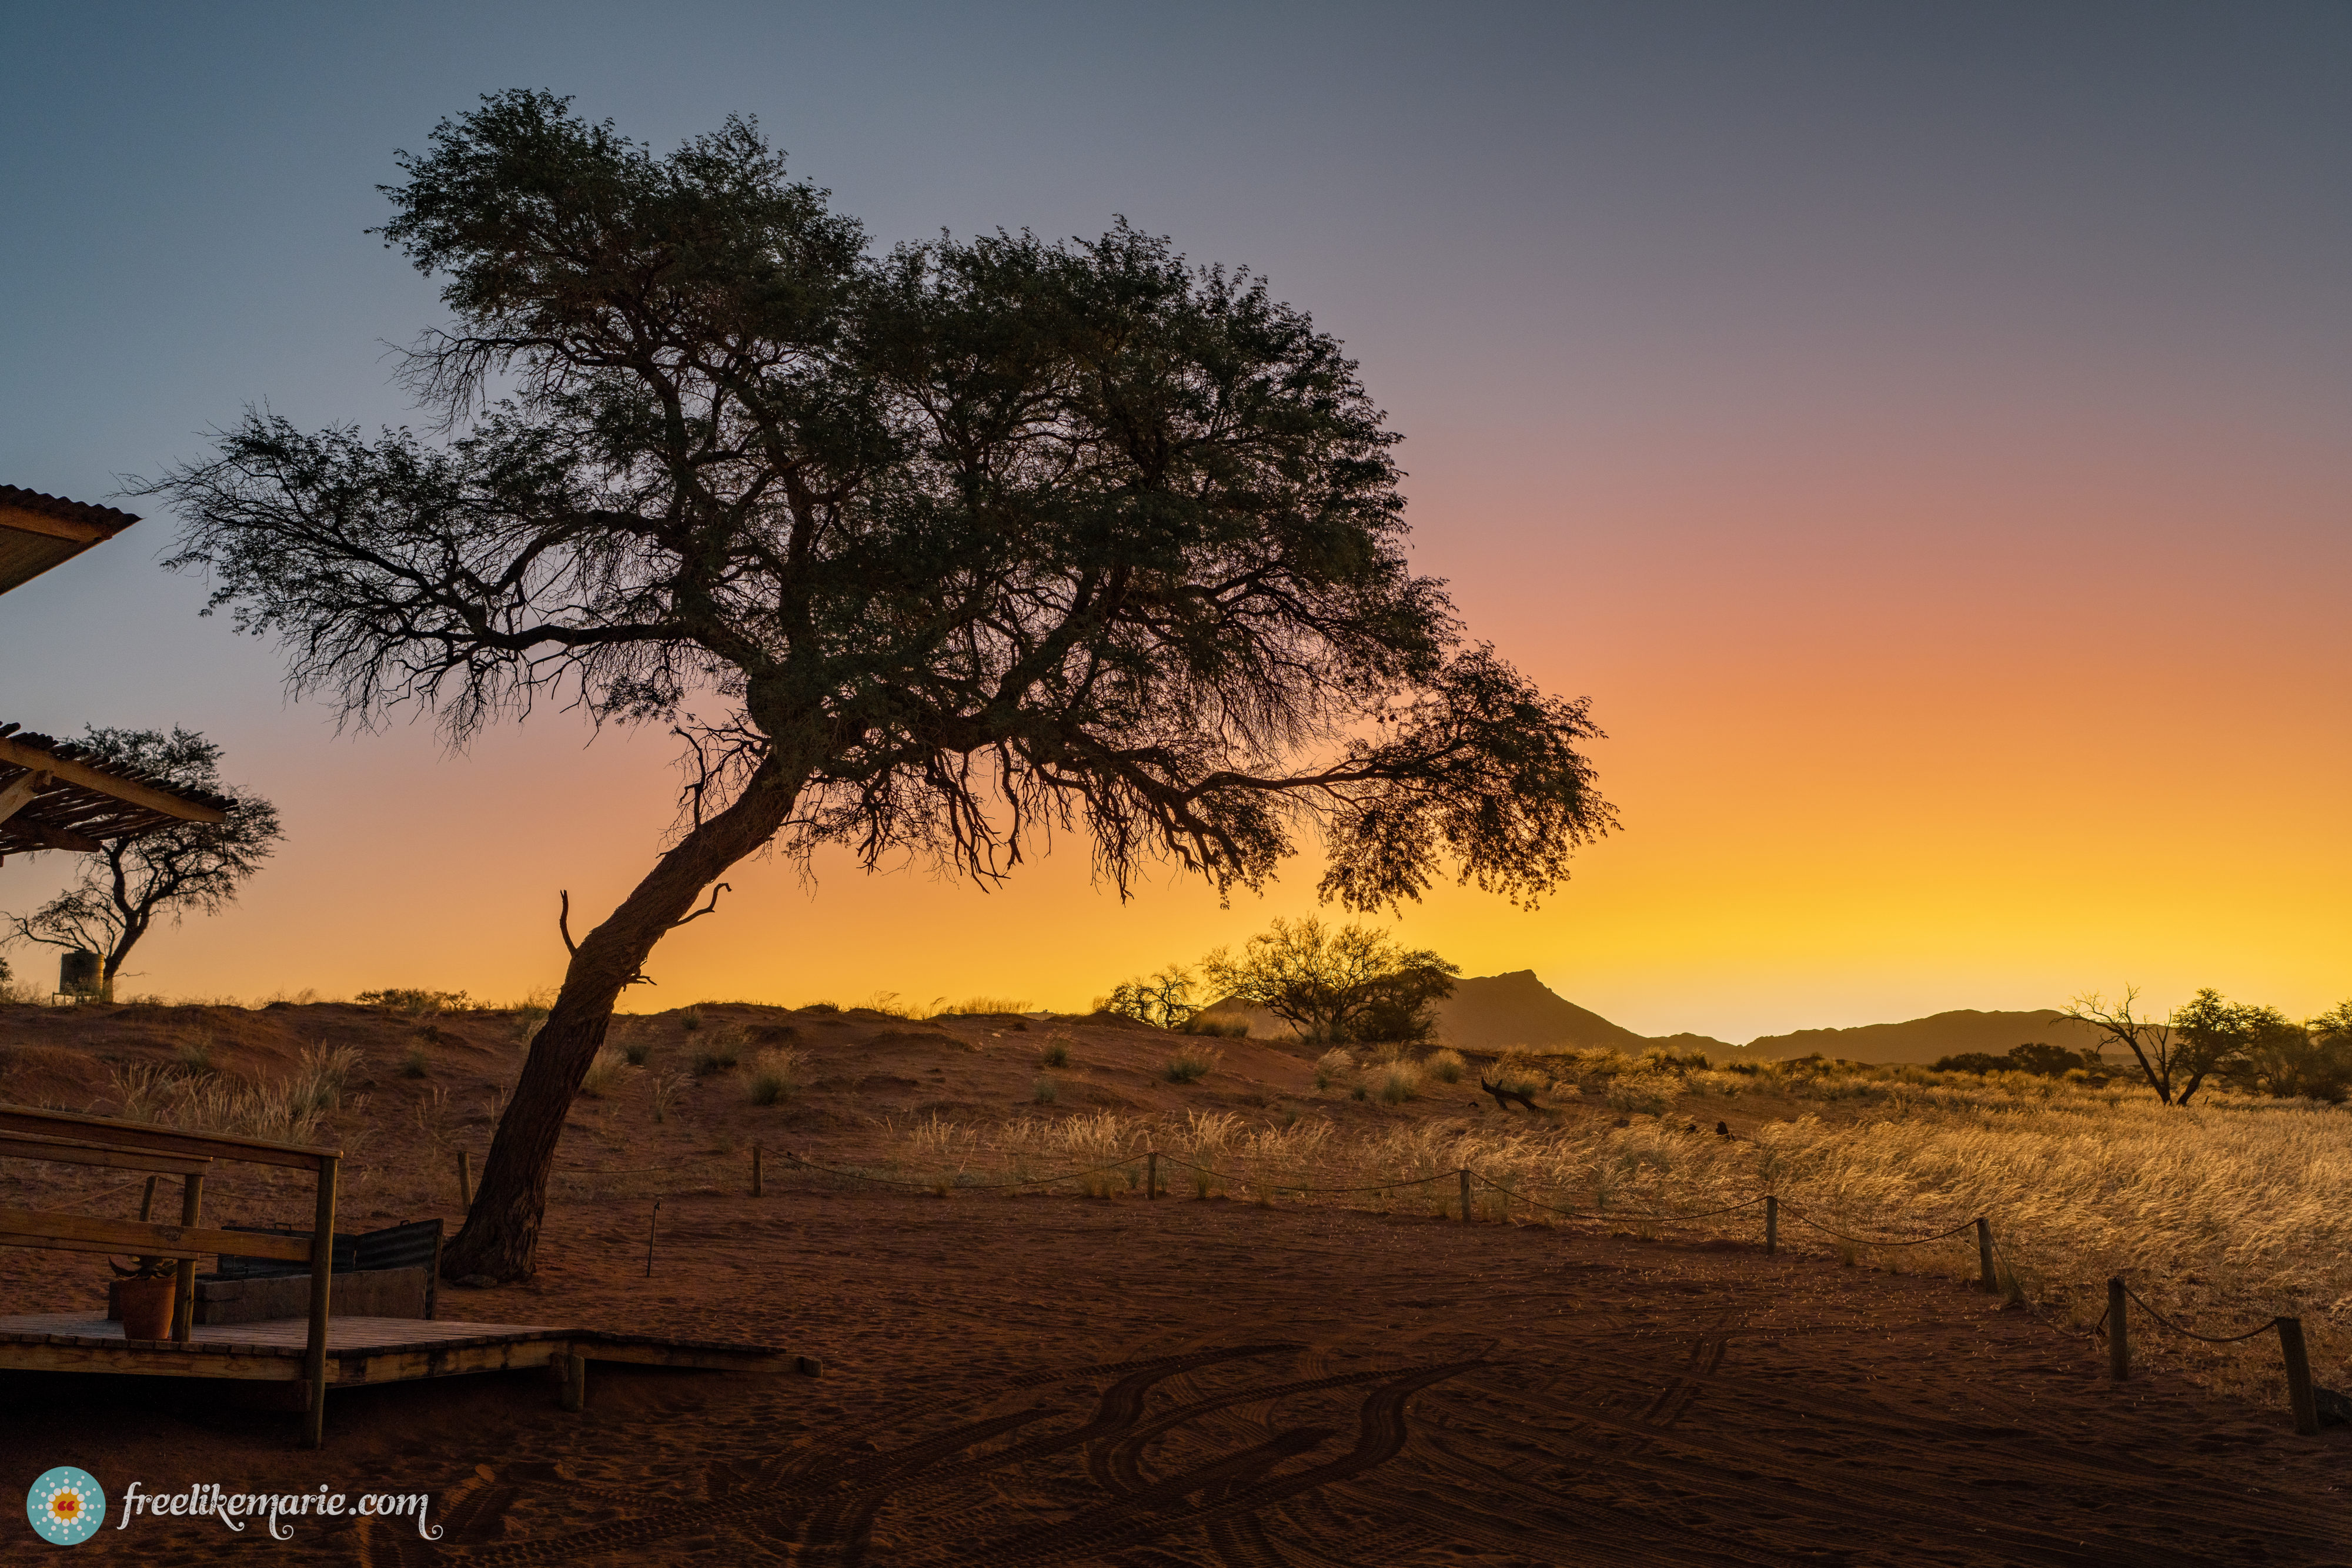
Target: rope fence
[(2310, 1404)]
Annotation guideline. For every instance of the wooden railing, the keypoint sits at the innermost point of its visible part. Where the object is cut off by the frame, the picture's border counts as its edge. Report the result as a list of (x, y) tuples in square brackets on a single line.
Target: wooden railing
[(62, 1137)]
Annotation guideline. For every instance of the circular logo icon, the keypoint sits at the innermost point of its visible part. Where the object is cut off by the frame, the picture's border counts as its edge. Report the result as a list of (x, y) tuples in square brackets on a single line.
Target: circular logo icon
[(66, 1505)]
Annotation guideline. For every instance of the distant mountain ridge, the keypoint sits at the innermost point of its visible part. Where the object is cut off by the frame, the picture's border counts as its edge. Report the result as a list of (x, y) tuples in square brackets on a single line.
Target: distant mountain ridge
[(1496, 1012)]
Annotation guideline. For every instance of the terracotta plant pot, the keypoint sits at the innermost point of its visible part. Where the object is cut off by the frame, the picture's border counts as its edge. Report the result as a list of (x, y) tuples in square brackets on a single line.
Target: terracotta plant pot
[(146, 1307)]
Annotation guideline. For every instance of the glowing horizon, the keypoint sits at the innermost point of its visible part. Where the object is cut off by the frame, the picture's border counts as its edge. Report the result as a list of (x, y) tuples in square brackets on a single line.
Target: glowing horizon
[(1926, 449)]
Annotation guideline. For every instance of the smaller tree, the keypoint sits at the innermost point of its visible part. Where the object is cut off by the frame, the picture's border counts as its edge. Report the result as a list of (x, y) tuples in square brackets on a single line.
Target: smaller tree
[(125, 886), (2278, 1056), (1334, 984), (2152, 1045), (1163, 1001)]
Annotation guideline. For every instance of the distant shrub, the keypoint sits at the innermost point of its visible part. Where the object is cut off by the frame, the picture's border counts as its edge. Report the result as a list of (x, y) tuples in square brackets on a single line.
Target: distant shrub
[(1400, 1081), (1334, 1066), (408, 1000), (1057, 1053), (2041, 1060), (1445, 1065), (196, 1055), (1215, 1026), (1046, 1090), (635, 1052), (603, 1074), (775, 1075), (1190, 1065), (413, 1065), (691, 1019), (822, 1007), (987, 1007), (1659, 1057)]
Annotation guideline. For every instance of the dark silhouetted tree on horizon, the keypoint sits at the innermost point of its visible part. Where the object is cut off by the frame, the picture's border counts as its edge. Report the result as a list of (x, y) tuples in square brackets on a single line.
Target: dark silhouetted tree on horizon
[(933, 551), (129, 884)]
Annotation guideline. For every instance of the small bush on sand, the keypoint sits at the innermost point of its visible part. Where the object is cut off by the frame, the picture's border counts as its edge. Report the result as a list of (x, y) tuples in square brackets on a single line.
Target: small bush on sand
[(195, 1056), (1335, 1066), (667, 1087), (413, 999), (635, 1052), (1445, 1065), (603, 1074), (413, 1065), (987, 1007), (1057, 1053), (1190, 1065), (720, 1055), (775, 1075), (691, 1019), (1400, 1081), (1046, 1090)]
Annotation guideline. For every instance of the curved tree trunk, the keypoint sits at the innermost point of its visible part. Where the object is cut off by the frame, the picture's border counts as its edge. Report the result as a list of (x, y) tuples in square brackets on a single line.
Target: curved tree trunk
[(501, 1230)]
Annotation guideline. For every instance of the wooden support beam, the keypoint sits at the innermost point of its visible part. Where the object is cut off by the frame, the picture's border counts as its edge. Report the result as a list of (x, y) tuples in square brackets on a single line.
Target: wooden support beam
[(57, 838), (65, 1153), (31, 1227), (322, 1271), (66, 771), (14, 798), (147, 1138), (183, 1288)]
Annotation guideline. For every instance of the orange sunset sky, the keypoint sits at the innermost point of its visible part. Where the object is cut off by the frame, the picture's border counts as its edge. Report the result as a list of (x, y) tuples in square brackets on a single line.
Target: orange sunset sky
[(1922, 435)]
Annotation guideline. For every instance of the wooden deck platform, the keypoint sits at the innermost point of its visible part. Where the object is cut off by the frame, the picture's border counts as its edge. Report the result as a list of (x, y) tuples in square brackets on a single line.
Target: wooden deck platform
[(360, 1351)]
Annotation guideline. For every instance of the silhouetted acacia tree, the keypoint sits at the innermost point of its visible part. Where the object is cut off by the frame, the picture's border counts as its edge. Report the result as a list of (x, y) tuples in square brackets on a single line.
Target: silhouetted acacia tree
[(128, 882), (1335, 983), (936, 550)]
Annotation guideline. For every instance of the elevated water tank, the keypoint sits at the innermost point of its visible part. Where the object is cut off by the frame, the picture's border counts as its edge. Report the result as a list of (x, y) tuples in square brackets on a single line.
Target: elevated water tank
[(78, 973)]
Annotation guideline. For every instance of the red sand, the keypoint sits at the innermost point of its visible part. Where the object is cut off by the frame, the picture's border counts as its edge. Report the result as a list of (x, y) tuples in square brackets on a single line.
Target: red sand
[(1050, 1380)]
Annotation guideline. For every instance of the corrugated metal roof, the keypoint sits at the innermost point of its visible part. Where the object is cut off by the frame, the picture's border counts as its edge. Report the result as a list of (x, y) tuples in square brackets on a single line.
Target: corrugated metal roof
[(108, 517), (38, 531)]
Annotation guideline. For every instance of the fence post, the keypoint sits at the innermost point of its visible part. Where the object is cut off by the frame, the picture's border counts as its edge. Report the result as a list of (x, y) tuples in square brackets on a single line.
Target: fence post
[(2298, 1378), (2118, 1333), (652, 1225), (1984, 1256), (466, 1179), (1771, 1225), (1465, 1195), (755, 1170), (1151, 1174)]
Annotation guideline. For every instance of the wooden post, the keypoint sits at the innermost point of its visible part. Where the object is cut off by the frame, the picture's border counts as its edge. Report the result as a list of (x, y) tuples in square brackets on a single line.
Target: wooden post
[(183, 1294), (2118, 1333), (322, 1280), (1151, 1174), (1985, 1274), (1465, 1195), (147, 1204), (466, 1179), (652, 1225), (575, 1381), (2299, 1396), (1771, 1225)]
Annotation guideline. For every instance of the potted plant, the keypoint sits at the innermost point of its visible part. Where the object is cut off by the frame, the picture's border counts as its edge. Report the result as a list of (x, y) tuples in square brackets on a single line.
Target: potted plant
[(144, 1296)]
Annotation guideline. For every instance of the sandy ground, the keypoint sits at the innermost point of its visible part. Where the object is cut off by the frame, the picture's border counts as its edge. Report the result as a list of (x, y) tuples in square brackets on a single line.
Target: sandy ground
[(1055, 1380), (1015, 1381)]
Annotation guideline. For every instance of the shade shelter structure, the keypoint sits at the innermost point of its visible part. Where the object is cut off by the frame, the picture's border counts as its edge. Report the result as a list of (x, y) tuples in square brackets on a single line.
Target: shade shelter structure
[(54, 795)]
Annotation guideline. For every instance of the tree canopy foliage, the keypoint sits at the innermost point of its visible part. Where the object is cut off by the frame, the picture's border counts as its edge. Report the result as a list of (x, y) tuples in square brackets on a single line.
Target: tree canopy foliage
[(1335, 983), (937, 551), (190, 867), (2247, 1046)]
